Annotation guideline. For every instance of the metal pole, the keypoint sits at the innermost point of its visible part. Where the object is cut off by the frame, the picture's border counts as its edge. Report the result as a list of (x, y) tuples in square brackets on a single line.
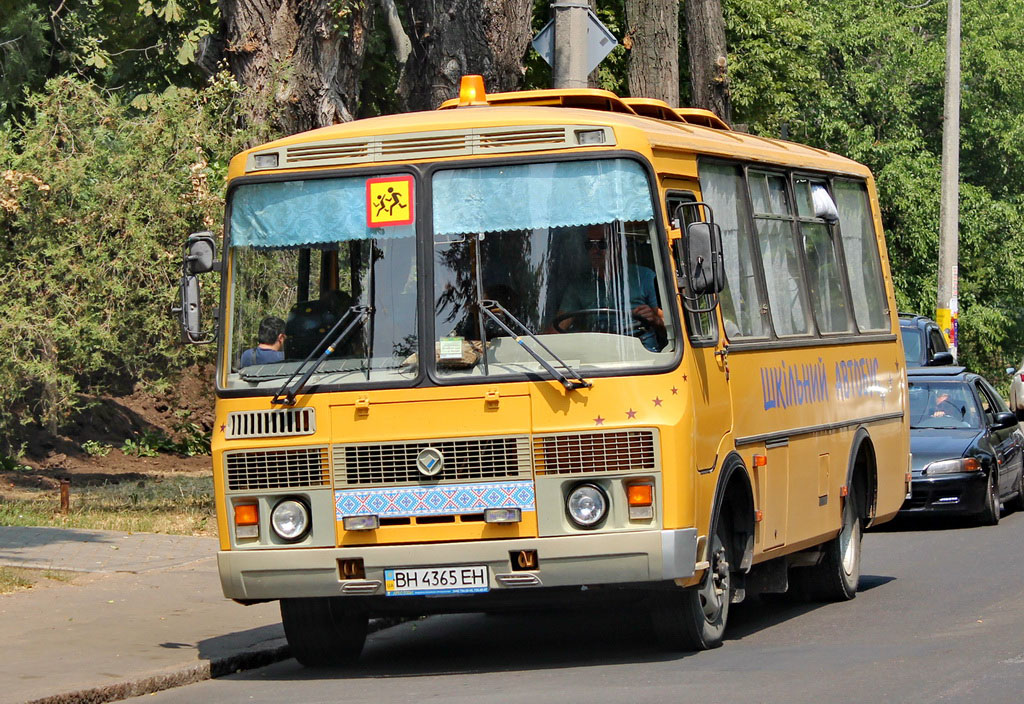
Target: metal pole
[(947, 307), (570, 66)]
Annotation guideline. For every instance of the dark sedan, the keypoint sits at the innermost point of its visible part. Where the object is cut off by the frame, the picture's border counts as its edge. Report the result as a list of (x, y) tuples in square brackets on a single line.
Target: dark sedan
[(967, 448)]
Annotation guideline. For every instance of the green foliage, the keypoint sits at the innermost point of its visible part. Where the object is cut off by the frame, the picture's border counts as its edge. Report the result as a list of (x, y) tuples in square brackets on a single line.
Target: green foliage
[(864, 78), (94, 448), (129, 46), (95, 202)]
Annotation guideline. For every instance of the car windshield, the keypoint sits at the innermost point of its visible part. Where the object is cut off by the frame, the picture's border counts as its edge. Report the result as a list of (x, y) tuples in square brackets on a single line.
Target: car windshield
[(942, 405), (566, 249), (303, 255), (912, 340)]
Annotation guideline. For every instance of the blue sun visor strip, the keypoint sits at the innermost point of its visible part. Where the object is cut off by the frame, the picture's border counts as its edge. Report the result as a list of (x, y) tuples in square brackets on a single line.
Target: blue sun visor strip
[(529, 196), (304, 213)]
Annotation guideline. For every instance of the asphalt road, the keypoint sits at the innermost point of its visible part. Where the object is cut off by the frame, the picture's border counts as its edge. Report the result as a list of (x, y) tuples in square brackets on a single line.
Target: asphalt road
[(940, 618)]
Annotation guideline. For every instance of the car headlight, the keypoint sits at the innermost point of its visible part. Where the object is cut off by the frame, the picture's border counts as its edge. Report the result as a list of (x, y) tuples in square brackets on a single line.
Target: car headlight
[(964, 464), (290, 520), (587, 505)]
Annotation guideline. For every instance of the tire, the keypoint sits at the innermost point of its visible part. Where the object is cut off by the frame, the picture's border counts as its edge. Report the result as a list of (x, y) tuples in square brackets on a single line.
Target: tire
[(989, 515), (323, 631), (837, 576), (695, 618), (1018, 503)]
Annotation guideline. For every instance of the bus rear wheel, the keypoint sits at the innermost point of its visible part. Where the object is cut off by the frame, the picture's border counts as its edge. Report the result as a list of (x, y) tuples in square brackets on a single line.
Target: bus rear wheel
[(837, 576), (695, 618), (323, 631)]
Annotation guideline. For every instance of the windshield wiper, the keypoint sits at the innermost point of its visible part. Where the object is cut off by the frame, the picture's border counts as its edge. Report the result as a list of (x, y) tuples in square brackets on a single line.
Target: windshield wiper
[(285, 395), (576, 382)]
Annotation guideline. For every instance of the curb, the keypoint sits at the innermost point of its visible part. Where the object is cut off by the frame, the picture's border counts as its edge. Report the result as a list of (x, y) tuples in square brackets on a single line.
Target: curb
[(191, 674)]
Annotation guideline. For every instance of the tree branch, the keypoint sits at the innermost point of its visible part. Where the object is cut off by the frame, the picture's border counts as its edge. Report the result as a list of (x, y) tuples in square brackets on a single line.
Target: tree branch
[(403, 46)]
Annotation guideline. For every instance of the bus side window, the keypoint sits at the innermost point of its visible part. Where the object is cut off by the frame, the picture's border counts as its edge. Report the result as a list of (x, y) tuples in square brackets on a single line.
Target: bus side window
[(742, 301), (701, 327), (860, 250)]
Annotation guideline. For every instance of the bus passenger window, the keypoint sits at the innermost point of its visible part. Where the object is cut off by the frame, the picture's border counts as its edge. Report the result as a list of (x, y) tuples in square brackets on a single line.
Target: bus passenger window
[(861, 253), (742, 302), (826, 285)]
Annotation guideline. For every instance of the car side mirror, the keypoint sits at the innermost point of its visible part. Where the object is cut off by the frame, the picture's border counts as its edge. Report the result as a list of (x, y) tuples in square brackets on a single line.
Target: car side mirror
[(1004, 419), (1010, 371), (941, 359)]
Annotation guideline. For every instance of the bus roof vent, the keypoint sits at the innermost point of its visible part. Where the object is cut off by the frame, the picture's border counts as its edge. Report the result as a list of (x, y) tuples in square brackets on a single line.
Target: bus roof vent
[(271, 423), (658, 109), (704, 118), (425, 145)]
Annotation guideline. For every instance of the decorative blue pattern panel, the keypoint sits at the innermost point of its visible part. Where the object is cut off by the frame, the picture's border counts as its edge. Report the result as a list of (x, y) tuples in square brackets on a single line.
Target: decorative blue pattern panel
[(443, 500)]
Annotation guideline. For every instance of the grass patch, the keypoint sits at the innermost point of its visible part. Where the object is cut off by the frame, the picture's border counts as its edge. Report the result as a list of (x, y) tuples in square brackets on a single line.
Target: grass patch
[(174, 504), (13, 579)]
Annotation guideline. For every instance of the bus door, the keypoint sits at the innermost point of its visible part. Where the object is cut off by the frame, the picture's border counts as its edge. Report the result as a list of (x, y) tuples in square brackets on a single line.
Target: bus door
[(709, 364)]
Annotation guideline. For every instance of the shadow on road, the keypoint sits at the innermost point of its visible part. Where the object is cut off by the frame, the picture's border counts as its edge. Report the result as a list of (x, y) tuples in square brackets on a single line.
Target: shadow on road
[(538, 640)]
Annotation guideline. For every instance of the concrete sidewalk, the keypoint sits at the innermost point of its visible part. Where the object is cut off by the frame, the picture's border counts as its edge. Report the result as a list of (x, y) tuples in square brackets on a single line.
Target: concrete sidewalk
[(148, 615)]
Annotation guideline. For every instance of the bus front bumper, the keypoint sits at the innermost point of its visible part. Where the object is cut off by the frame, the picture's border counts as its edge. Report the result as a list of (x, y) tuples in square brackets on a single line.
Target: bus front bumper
[(562, 561)]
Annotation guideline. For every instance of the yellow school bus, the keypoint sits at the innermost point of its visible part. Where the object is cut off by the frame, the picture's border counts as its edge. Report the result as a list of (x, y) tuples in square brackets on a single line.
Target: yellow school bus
[(547, 347)]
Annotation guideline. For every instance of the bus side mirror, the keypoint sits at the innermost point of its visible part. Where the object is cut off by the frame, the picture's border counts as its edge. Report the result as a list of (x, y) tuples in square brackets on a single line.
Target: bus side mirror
[(703, 253), (199, 259), (201, 252)]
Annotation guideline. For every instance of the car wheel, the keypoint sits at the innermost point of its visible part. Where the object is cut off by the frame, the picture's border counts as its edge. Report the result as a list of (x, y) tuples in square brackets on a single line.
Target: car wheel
[(989, 515), (695, 618), (323, 631), (837, 576), (1018, 503)]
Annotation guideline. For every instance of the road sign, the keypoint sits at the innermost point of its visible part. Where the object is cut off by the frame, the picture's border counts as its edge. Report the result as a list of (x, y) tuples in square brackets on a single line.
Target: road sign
[(600, 41)]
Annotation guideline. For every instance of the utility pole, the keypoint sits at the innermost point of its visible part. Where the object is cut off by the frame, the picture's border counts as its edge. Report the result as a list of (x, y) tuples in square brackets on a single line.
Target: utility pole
[(570, 65), (947, 307)]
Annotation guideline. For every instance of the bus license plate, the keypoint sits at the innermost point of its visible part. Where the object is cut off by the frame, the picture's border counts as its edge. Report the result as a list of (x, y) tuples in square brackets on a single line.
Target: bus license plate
[(467, 579)]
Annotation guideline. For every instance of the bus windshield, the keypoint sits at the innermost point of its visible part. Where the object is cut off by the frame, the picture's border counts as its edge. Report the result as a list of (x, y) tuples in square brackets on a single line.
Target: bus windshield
[(302, 256), (565, 250)]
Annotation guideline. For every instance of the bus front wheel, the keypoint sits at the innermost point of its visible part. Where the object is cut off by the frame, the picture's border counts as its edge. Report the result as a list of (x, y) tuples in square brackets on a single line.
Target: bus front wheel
[(323, 631), (695, 618)]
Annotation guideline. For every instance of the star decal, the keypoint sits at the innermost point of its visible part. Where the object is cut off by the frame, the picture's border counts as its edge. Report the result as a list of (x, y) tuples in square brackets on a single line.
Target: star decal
[(599, 421), (684, 377), (657, 401), (631, 413), (675, 391), (223, 427)]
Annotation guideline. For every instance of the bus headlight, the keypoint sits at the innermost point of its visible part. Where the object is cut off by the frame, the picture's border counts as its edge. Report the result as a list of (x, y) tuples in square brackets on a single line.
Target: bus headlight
[(290, 520), (587, 505)]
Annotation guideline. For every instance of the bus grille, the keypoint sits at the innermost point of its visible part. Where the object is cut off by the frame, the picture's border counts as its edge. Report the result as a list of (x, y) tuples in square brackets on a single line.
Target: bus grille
[(601, 451), (270, 423), (369, 464), (280, 468)]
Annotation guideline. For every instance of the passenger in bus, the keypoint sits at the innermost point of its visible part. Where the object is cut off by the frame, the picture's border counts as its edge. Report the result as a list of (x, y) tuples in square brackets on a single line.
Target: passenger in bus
[(269, 349), (601, 288)]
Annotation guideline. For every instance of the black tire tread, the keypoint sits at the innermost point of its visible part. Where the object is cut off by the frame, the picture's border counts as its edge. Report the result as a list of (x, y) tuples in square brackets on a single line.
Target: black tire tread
[(322, 631)]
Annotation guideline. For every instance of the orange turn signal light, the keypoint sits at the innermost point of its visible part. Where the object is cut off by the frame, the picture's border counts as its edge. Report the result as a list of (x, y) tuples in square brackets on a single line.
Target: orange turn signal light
[(760, 460), (247, 515), (471, 91), (970, 464), (640, 494)]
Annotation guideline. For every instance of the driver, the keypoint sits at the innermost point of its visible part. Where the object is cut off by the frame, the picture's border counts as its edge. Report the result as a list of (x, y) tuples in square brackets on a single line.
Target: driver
[(946, 408), (600, 288)]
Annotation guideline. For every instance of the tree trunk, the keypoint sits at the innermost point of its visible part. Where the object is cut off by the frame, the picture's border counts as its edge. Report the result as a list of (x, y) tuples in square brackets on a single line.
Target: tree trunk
[(709, 75), (460, 37), (653, 31), (303, 58)]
